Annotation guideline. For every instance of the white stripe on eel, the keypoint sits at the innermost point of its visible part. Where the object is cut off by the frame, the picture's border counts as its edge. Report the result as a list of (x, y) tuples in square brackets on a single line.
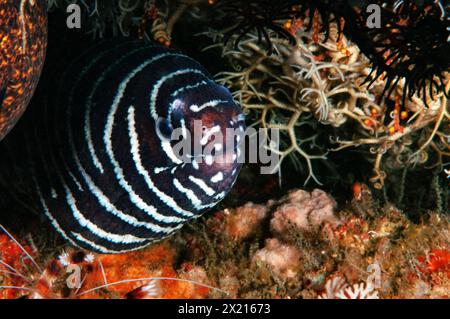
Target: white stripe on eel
[(157, 86), (104, 201), (47, 212), (190, 194), (84, 222), (187, 87), (95, 246), (213, 103), (87, 119), (88, 131), (49, 215), (200, 183), (134, 145), (169, 201)]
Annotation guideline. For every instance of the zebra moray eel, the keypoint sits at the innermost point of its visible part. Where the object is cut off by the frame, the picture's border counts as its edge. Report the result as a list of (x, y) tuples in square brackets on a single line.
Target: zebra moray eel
[(100, 161)]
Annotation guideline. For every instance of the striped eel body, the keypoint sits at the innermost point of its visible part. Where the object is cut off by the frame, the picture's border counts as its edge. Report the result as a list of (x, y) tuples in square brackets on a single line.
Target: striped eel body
[(100, 161)]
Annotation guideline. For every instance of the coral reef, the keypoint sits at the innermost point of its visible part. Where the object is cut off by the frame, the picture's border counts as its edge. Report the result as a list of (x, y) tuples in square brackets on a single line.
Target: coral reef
[(282, 260), (247, 222), (373, 250), (76, 274), (343, 101), (336, 288), (303, 211), (363, 250)]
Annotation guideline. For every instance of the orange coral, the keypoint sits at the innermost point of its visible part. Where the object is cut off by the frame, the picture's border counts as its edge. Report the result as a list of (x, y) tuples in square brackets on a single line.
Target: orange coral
[(11, 257), (154, 262), (147, 273)]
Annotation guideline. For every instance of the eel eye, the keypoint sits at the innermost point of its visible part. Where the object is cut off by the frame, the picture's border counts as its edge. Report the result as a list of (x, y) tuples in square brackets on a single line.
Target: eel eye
[(163, 128)]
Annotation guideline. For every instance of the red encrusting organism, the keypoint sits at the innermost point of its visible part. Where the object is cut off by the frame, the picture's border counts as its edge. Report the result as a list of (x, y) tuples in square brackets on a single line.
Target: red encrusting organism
[(437, 261), (76, 274)]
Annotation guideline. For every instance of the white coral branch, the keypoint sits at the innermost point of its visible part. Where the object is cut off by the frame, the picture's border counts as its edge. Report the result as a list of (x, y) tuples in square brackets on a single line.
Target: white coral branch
[(337, 288), (358, 291)]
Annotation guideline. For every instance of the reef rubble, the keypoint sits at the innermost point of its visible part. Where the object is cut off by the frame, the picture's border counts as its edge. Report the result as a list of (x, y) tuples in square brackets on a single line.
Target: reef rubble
[(299, 246)]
